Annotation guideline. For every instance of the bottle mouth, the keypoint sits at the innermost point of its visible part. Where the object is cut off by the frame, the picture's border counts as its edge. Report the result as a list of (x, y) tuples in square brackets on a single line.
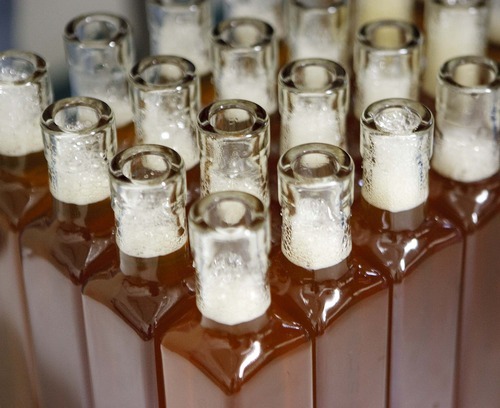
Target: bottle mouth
[(20, 68), (243, 33), (471, 73), (389, 36)]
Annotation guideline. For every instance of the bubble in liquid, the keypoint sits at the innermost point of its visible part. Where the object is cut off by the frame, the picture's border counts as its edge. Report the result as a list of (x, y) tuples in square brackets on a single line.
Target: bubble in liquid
[(397, 120)]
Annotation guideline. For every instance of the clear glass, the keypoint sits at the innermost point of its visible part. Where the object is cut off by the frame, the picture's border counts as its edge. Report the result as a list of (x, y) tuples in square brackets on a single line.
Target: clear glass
[(368, 11), (325, 286), (99, 54), (397, 231), (396, 147), (165, 93), (230, 237), (80, 140), (387, 62), (62, 248), (244, 58), (182, 28), (318, 29), (129, 304), (466, 146), (465, 186), (313, 101), (494, 27), (316, 189), (25, 91), (452, 29), (270, 11), (234, 347), (234, 141)]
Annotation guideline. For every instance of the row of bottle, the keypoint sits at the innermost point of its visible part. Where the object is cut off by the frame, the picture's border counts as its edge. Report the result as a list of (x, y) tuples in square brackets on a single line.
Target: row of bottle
[(236, 121)]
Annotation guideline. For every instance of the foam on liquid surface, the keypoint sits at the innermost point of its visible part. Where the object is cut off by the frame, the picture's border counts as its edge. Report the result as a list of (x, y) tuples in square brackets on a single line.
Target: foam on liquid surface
[(20, 133), (314, 237), (466, 156), (395, 167)]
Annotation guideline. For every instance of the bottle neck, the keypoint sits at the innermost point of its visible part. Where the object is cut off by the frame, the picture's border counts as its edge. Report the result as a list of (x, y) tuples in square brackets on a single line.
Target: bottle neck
[(251, 326)]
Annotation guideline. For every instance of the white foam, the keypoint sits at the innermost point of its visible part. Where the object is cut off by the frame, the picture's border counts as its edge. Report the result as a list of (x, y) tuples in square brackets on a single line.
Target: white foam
[(20, 133), (308, 124), (173, 129), (452, 33), (122, 110), (77, 177), (395, 173), (379, 82), (466, 156), (315, 237), (232, 283), (185, 39), (256, 88), (147, 234)]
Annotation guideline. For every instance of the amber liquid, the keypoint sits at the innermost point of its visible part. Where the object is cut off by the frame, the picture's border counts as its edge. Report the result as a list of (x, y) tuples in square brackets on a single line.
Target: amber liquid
[(263, 363), (346, 310), (127, 310), (423, 254), (60, 251), (24, 194), (125, 136), (475, 208)]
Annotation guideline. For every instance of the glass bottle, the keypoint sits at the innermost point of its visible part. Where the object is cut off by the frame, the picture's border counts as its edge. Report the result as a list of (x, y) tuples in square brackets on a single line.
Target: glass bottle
[(319, 29), (99, 53), (182, 28), (25, 91), (165, 93), (128, 305), (387, 61), (329, 288), (313, 101), (396, 230), (234, 347), (465, 185), (452, 28), (233, 136), (63, 247)]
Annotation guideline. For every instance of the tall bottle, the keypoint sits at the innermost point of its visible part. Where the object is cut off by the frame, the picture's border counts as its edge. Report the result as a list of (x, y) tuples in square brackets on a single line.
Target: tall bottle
[(99, 53), (329, 288), (62, 248), (165, 93), (452, 28), (182, 28), (319, 29), (235, 347), (387, 62), (245, 66), (128, 305), (313, 103), (465, 185), (25, 91), (399, 233)]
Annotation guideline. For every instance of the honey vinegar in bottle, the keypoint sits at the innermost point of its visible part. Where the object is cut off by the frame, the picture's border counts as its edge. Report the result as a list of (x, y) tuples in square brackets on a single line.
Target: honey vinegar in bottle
[(25, 91), (234, 347), (396, 230), (165, 92), (128, 305), (465, 186), (182, 28), (99, 55), (62, 248), (325, 284)]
